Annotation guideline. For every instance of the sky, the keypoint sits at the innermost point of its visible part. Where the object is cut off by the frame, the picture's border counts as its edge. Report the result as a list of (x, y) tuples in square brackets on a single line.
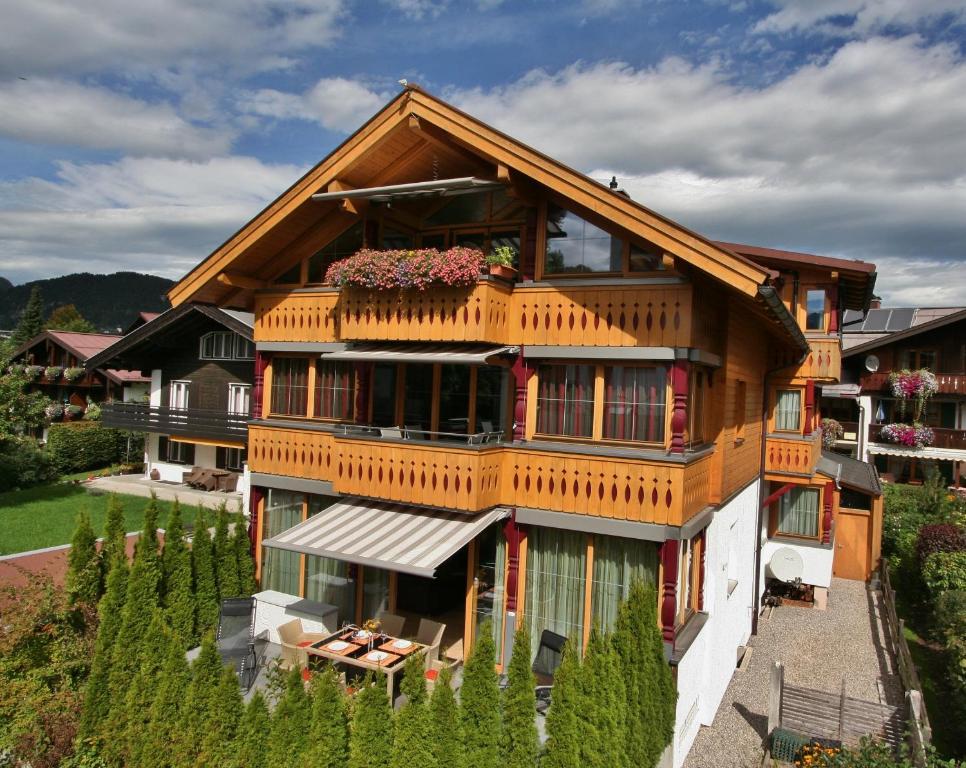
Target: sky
[(140, 135)]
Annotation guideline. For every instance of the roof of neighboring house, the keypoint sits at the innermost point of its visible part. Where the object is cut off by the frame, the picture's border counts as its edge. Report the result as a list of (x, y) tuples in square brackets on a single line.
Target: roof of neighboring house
[(242, 323), (125, 377), (886, 325), (850, 472), (82, 345), (857, 277), (142, 318)]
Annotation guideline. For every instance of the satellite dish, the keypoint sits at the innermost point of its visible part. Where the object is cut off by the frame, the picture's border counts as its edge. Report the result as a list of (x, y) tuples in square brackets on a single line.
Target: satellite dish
[(871, 363), (785, 565)]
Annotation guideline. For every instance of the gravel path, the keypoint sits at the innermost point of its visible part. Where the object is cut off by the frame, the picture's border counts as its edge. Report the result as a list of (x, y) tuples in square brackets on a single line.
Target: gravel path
[(818, 649)]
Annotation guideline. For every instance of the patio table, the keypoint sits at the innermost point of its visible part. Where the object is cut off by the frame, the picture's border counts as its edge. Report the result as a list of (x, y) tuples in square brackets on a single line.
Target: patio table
[(343, 647)]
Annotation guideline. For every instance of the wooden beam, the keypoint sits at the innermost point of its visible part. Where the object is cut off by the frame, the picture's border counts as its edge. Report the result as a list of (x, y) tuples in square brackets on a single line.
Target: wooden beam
[(235, 280), (777, 495), (443, 142)]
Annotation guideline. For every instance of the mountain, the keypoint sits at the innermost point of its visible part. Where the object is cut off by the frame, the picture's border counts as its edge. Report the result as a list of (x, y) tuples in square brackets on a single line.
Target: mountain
[(110, 302)]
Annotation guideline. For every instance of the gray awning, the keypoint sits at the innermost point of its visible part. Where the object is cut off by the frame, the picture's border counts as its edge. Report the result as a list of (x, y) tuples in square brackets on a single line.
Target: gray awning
[(411, 540), (847, 391), (466, 354), (937, 454)]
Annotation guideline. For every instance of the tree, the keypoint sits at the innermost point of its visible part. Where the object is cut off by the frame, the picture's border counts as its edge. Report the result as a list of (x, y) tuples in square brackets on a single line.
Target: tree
[(444, 717), (196, 709), (412, 745), (251, 748), (97, 695), (565, 731), (329, 732), (519, 742), (178, 600), (371, 736), (147, 543), (31, 321), (219, 747), (244, 560), (20, 409), (164, 715), (67, 318), (206, 588), (114, 547), (480, 704), (604, 705), (226, 559), (83, 580), (288, 734)]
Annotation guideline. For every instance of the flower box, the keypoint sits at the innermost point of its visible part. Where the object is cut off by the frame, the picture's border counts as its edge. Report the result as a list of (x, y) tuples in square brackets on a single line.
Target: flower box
[(911, 435), (52, 372), (32, 372), (72, 374), (407, 269)]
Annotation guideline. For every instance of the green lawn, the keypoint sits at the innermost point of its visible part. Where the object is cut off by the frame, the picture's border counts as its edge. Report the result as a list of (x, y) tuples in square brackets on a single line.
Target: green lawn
[(44, 516)]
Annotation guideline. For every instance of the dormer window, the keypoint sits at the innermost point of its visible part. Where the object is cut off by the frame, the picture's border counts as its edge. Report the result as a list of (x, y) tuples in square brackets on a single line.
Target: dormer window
[(575, 246), (225, 345), (815, 309)]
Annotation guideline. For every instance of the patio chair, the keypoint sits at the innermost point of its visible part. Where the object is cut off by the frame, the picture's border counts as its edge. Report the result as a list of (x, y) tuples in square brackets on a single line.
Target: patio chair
[(545, 664), (430, 634), (390, 432), (414, 432), (487, 427), (188, 478), (236, 638), (391, 623), (292, 635)]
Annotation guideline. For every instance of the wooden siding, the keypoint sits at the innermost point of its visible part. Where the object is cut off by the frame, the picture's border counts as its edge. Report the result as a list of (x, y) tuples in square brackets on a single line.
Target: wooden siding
[(291, 452), (824, 362), (797, 457), (308, 317)]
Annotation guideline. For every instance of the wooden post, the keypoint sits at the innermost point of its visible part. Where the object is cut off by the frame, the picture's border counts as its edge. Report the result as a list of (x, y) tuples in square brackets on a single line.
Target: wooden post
[(833, 299), (254, 503), (809, 406), (521, 376), (669, 593), (513, 533), (827, 501), (261, 362), (776, 683), (679, 413)]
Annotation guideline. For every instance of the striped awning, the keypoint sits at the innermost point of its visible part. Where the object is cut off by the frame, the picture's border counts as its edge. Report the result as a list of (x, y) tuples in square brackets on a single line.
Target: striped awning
[(937, 454), (392, 536), (466, 354)]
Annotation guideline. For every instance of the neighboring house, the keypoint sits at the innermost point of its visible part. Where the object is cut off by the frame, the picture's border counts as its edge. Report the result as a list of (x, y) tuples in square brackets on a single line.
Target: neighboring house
[(521, 450), (200, 361), (908, 338), (59, 364)]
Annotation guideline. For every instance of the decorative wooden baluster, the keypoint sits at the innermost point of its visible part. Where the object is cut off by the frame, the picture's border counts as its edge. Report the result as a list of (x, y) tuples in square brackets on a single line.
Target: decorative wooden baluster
[(521, 375), (827, 500), (261, 363), (809, 406), (514, 535), (363, 373), (679, 414), (670, 550)]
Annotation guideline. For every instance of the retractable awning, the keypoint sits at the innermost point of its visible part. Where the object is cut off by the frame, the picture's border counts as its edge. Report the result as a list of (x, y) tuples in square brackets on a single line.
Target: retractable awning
[(466, 354), (846, 391), (937, 454), (411, 540)]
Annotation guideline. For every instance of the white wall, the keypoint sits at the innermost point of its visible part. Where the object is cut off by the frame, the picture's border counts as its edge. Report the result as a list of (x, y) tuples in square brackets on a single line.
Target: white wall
[(816, 560), (156, 387), (707, 667)]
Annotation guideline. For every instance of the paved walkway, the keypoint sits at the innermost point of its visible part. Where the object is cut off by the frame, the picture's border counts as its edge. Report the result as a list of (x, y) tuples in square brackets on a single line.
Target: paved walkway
[(818, 649), (138, 485)]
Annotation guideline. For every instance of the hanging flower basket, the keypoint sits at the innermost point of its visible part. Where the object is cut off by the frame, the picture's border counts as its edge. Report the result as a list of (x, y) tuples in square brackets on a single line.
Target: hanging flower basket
[(54, 411), (412, 269), (72, 374), (52, 372), (831, 432), (913, 386), (32, 372), (911, 435)]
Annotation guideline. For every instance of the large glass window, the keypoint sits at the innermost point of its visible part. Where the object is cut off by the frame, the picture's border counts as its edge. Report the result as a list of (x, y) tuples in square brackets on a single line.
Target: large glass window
[(454, 399), (555, 587), (290, 386), (815, 309), (417, 411), (788, 410), (491, 385), (619, 562), (697, 394), (576, 246), (565, 400), (490, 586), (375, 592), (635, 403), (384, 395), (798, 512), (333, 582), (343, 246), (334, 390), (280, 569)]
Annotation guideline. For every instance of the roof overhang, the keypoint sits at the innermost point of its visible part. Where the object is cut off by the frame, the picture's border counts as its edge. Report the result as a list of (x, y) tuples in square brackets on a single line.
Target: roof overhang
[(442, 188)]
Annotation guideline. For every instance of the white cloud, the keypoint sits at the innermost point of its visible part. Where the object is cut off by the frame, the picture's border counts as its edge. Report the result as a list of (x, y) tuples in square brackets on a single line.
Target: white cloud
[(419, 9), (861, 17), (43, 111), (147, 214), (335, 103)]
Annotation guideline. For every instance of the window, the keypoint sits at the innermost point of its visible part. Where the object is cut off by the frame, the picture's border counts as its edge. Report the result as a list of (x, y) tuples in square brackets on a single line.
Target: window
[(565, 400), (178, 394), (244, 348), (650, 259), (342, 247), (741, 409), (798, 512), (334, 390), (489, 580), (556, 583), (697, 393), (918, 358), (217, 345), (230, 458), (635, 403), (575, 246), (175, 452), (290, 386), (618, 563), (815, 309), (239, 399), (280, 569), (788, 410), (384, 394), (689, 582)]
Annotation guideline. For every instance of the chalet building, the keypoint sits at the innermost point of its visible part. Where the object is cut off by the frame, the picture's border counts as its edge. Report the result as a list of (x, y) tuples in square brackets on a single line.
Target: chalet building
[(200, 365), (635, 401), (57, 362), (909, 338)]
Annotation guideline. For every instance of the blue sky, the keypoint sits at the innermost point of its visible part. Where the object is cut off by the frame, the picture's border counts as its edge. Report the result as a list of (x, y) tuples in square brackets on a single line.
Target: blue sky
[(140, 135)]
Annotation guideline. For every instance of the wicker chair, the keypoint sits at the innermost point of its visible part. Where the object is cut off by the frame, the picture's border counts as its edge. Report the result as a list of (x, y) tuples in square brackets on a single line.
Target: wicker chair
[(392, 624), (292, 635)]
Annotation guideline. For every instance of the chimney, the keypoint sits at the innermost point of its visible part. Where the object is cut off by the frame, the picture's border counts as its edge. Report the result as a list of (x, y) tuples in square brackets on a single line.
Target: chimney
[(876, 302)]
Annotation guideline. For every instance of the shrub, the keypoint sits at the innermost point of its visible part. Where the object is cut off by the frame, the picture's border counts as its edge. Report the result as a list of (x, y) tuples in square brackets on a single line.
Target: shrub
[(23, 464), (79, 445), (942, 537), (480, 704), (950, 622), (944, 571)]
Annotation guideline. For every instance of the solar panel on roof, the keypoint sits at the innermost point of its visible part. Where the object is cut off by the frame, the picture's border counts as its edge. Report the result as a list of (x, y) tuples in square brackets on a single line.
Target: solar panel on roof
[(852, 320), (876, 320), (900, 319)]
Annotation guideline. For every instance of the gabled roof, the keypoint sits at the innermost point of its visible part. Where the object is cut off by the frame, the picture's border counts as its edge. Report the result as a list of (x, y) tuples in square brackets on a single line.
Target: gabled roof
[(850, 472), (81, 345), (242, 323), (142, 318), (931, 320), (416, 119)]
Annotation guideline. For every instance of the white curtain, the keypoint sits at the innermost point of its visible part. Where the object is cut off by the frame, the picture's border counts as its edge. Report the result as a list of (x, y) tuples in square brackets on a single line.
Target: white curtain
[(788, 410), (556, 578), (798, 512), (618, 562), (280, 569)]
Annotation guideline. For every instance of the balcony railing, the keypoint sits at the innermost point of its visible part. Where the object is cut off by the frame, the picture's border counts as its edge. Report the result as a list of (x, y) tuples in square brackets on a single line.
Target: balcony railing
[(796, 456), (945, 438), (949, 383), (186, 422)]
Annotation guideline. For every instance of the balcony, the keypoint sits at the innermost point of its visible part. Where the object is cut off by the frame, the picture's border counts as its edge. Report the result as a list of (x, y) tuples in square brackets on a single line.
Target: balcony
[(792, 455), (185, 422), (945, 438), (824, 361), (949, 383), (309, 316)]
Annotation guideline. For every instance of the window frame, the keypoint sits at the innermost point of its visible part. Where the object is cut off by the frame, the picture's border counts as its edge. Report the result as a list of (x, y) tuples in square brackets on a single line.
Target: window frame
[(273, 387), (245, 344), (668, 402), (806, 290), (316, 391), (234, 387), (214, 337), (776, 516), (799, 420)]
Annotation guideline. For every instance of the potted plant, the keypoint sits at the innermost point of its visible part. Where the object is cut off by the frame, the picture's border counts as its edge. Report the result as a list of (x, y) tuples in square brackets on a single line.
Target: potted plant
[(500, 262), (415, 269), (911, 435), (33, 371), (831, 432), (54, 411), (52, 372), (72, 374), (916, 386), (73, 411)]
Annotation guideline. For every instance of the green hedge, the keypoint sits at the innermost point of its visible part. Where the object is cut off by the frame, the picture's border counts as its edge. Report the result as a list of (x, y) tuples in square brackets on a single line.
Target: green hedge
[(943, 572), (78, 445), (23, 464)]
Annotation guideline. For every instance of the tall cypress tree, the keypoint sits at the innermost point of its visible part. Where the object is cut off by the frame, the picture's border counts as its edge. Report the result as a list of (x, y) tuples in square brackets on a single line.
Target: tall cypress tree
[(329, 733), (179, 600), (114, 547), (219, 745), (164, 716), (288, 734), (251, 744), (604, 705), (148, 540), (197, 707), (413, 745), (83, 580), (244, 561), (371, 736), (480, 704), (31, 321), (226, 558), (519, 743), (444, 715), (206, 588), (565, 730), (97, 695)]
